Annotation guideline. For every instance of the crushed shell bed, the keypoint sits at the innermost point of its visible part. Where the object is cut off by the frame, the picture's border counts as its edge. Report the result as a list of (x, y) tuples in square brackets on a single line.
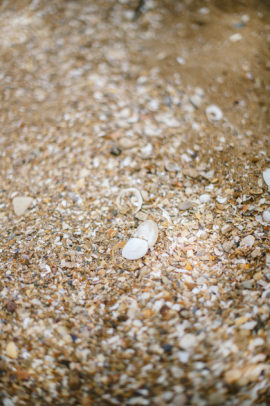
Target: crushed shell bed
[(106, 122)]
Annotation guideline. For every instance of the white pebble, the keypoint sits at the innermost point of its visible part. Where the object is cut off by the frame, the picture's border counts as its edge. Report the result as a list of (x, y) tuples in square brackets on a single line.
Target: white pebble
[(135, 248), (266, 176), (204, 198), (147, 231), (21, 204), (247, 242), (236, 37), (196, 100), (188, 341), (180, 60), (266, 216), (7, 402), (221, 199), (213, 113)]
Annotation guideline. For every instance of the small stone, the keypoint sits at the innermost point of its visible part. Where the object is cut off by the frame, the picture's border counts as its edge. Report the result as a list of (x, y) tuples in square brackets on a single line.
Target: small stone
[(256, 253), (7, 402), (267, 260), (266, 177), (221, 199), (180, 60), (188, 341), (204, 198), (227, 245), (12, 350), (266, 216), (236, 37), (247, 242), (249, 325), (21, 204), (178, 400), (226, 229), (242, 376), (185, 205), (196, 100), (202, 234), (183, 356), (147, 150), (192, 173), (74, 380), (115, 151), (167, 396), (11, 306)]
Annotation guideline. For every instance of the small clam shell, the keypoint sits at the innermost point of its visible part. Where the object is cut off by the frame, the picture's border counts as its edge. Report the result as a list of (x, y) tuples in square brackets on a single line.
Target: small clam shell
[(148, 231), (135, 248)]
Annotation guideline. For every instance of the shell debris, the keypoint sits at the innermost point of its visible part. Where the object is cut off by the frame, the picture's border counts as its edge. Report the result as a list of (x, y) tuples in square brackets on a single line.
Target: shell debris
[(136, 199)]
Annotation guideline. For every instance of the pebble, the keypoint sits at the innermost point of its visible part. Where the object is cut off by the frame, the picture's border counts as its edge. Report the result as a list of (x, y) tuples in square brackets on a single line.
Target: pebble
[(247, 242), (185, 205), (236, 37), (11, 306), (266, 176), (227, 245), (221, 199), (226, 228), (180, 60), (115, 151), (188, 341), (196, 100), (213, 113), (7, 402), (204, 198), (147, 150), (266, 216), (21, 204), (12, 350)]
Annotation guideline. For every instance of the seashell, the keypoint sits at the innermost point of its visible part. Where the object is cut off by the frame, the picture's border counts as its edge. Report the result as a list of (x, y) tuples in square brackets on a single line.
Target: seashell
[(147, 231), (266, 176), (136, 199), (135, 248), (213, 113)]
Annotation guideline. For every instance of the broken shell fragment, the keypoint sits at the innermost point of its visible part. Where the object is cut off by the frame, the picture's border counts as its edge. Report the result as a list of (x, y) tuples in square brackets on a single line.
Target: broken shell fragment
[(213, 113), (147, 231), (266, 176), (136, 198), (135, 248)]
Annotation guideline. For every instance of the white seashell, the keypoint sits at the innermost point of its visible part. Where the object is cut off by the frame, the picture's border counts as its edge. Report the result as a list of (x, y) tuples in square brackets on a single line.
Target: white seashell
[(266, 176), (148, 231), (214, 113), (135, 248), (136, 200)]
